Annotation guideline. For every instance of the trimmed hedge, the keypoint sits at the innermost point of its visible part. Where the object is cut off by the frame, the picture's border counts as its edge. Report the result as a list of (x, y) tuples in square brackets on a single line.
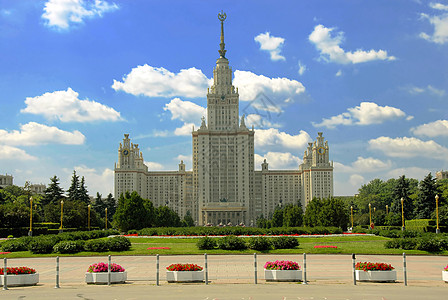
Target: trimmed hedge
[(231, 242), (206, 243), (119, 243), (284, 242), (69, 246), (97, 245), (259, 243)]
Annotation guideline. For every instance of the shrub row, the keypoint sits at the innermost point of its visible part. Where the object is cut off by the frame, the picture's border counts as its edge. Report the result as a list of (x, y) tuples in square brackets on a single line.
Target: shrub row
[(426, 243), (230, 230), (260, 243), (67, 242)]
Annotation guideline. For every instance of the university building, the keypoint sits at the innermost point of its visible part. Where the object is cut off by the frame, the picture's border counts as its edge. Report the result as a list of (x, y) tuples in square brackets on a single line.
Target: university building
[(223, 186)]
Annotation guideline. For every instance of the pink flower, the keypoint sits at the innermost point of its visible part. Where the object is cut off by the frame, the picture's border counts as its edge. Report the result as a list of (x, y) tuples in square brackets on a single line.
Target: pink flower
[(103, 267)]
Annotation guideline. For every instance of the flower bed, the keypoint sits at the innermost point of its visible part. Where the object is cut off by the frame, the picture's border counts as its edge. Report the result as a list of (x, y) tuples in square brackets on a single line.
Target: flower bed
[(4, 253), (325, 246), (378, 272), (282, 270), (184, 273), (19, 276), (98, 274), (157, 248)]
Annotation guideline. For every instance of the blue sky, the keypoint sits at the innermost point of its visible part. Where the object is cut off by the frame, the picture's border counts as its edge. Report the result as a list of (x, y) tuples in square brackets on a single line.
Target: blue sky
[(76, 75)]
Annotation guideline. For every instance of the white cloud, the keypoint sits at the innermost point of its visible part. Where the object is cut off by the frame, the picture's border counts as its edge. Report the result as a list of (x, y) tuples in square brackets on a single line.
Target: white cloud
[(366, 113), (271, 44), (259, 122), (411, 172), (273, 139), (338, 73), (331, 51), (409, 147), (187, 112), (38, 134), (302, 68), (154, 166), (60, 14), (67, 107), (440, 23), (14, 154), (433, 129), (363, 165), (429, 89), (97, 181), (356, 180), (278, 161), (159, 82), (250, 86)]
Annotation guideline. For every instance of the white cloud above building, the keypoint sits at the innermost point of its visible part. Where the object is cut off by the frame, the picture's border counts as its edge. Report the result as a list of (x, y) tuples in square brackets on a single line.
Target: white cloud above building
[(62, 14), (14, 154), (278, 160), (274, 140), (367, 113), (363, 165), (271, 44), (66, 106), (159, 82), (330, 50)]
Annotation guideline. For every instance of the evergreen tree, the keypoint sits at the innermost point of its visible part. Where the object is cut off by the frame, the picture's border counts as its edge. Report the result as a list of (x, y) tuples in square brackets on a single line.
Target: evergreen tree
[(293, 215), (99, 206), (166, 217), (327, 212), (131, 212), (277, 218), (426, 203), (83, 194), (73, 191), (402, 190), (53, 193), (111, 206), (188, 220)]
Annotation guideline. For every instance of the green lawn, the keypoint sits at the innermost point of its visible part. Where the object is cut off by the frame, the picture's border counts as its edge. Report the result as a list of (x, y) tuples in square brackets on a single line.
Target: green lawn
[(187, 246)]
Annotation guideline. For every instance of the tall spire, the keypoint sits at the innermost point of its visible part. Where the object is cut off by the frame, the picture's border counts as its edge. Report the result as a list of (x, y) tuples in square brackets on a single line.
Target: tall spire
[(222, 16)]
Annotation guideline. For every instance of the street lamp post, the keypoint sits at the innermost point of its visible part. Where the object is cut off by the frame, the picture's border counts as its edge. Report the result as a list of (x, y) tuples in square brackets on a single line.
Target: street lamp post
[(402, 214), (351, 213), (62, 214), (370, 214), (106, 216), (387, 210), (30, 233), (88, 216), (437, 213)]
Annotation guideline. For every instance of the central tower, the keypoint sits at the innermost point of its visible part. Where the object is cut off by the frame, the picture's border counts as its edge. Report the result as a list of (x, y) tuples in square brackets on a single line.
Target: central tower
[(223, 153)]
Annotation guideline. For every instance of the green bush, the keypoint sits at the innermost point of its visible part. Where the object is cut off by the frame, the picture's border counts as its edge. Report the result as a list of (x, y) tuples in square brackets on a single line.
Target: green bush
[(428, 244), (231, 242), (97, 245), (259, 243), (119, 243), (408, 243), (69, 246), (206, 243), (43, 244), (392, 244), (14, 245), (284, 242)]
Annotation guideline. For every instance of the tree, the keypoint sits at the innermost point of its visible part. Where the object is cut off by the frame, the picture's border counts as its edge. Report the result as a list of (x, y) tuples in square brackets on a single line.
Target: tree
[(277, 218), (425, 204), (293, 215), (99, 206), (131, 212), (403, 190), (83, 193), (188, 220), (111, 206), (73, 191), (327, 212), (166, 217), (53, 193)]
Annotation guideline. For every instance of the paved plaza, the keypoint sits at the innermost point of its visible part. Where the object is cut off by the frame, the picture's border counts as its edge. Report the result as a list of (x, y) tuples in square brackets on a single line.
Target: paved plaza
[(233, 277)]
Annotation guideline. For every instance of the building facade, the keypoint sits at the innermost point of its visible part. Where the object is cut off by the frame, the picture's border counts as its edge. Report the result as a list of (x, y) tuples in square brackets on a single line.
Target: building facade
[(223, 186), (6, 180)]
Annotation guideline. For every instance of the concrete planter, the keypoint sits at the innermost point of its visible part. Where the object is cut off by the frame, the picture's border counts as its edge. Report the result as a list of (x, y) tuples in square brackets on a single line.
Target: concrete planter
[(20, 280), (101, 277), (185, 276), (376, 276), (445, 276), (282, 275)]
